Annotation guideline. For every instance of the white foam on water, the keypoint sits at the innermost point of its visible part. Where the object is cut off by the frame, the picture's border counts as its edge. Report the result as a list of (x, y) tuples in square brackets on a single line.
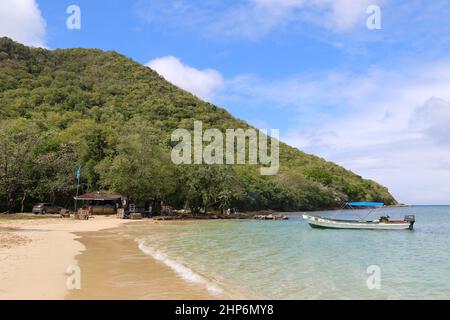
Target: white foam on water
[(186, 273)]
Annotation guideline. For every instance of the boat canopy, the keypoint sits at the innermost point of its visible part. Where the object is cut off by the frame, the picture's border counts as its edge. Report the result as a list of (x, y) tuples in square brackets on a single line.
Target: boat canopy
[(365, 204)]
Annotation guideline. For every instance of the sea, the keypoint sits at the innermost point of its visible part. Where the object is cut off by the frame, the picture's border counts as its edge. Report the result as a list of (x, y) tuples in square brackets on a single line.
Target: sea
[(290, 260)]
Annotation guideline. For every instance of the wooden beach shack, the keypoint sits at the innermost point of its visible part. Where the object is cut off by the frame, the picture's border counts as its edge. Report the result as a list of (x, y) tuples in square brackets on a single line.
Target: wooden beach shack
[(100, 202)]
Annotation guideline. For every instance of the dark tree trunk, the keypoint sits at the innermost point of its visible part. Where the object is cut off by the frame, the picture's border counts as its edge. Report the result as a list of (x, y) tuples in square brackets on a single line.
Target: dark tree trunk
[(10, 202), (156, 207), (22, 208), (195, 211)]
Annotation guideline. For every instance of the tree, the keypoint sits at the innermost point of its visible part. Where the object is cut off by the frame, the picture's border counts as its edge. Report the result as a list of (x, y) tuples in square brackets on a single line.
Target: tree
[(141, 168), (18, 139), (56, 172), (211, 186)]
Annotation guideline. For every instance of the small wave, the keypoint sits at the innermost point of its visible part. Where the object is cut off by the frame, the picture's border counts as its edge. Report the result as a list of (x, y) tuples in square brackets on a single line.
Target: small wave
[(179, 268)]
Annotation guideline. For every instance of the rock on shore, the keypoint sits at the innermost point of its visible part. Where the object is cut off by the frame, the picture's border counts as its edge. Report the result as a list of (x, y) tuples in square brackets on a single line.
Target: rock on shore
[(271, 217)]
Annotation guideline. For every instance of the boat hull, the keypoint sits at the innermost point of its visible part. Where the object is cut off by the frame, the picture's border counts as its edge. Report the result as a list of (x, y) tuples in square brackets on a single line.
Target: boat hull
[(325, 223)]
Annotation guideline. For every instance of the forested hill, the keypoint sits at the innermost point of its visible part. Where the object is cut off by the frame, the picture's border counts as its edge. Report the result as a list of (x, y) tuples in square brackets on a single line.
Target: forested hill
[(64, 108)]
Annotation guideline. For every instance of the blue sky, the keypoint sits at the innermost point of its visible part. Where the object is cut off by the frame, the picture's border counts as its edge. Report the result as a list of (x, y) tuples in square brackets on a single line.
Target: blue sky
[(374, 101)]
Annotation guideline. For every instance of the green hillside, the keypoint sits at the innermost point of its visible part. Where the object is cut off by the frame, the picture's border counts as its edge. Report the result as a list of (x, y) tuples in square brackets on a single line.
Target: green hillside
[(64, 108)]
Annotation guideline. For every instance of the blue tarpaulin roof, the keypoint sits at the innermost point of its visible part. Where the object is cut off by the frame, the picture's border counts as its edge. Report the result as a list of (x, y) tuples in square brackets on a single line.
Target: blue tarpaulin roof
[(365, 204)]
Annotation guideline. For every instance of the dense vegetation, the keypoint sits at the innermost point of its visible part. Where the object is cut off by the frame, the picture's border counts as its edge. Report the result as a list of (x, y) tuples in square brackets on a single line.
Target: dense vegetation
[(64, 108)]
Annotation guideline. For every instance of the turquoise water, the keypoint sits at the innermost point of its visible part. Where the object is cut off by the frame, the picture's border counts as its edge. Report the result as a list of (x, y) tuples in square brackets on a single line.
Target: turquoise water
[(290, 260)]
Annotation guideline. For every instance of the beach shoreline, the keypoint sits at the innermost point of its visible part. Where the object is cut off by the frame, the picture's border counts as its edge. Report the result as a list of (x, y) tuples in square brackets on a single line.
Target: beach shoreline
[(116, 266), (35, 255)]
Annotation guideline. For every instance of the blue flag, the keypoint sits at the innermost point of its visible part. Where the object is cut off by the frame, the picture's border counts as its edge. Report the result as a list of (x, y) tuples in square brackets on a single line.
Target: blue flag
[(78, 173)]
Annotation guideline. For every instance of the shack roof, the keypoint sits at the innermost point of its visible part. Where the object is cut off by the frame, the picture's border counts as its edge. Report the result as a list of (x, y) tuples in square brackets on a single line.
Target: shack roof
[(101, 195)]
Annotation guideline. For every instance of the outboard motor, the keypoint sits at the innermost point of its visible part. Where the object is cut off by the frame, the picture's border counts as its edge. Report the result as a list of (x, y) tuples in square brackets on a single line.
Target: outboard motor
[(411, 219)]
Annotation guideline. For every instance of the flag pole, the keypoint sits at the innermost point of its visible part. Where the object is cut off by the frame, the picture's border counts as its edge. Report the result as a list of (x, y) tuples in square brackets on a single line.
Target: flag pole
[(78, 187)]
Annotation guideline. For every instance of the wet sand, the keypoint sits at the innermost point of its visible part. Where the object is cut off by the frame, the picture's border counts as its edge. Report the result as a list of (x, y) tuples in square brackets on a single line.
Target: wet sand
[(35, 256), (113, 267)]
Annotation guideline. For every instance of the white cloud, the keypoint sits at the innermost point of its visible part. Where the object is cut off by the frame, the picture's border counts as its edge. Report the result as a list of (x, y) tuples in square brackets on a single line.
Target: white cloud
[(202, 83), (344, 14), (393, 131), (433, 120), (22, 21), (388, 125), (260, 17), (339, 15), (254, 19)]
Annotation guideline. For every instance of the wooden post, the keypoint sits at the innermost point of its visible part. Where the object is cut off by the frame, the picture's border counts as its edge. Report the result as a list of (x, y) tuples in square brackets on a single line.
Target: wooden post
[(76, 201)]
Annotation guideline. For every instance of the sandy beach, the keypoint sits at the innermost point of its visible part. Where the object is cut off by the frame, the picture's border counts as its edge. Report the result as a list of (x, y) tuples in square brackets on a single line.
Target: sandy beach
[(35, 256)]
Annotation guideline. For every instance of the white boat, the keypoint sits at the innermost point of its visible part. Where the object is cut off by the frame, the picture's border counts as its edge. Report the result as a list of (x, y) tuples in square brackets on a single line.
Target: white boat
[(383, 223)]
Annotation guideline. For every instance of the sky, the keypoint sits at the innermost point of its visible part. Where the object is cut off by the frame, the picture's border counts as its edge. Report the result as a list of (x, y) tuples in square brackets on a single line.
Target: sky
[(376, 101)]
